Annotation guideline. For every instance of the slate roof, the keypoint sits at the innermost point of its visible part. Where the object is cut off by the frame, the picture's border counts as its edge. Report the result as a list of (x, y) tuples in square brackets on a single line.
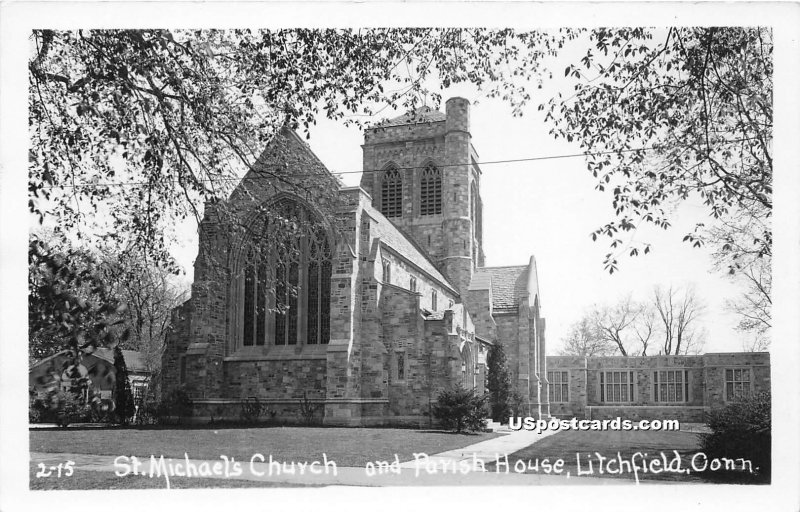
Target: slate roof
[(420, 115), (435, 315), (402, 244), (509, 284)]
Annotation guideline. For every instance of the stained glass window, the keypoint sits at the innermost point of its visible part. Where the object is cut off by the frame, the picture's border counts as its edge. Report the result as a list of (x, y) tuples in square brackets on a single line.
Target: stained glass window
[(431, 191), (287, 281), (392, 193)]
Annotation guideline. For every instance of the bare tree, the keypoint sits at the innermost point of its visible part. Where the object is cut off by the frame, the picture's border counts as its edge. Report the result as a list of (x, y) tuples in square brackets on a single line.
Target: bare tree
[(150, 295), (646, 326), (614, 323), (754, 306), (745, 254), (679, 311), (584, 339)]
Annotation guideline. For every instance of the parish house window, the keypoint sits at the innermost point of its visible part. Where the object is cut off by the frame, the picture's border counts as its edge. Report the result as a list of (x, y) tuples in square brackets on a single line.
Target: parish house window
[(671, 385), (392, 193), (285, 294), (430, 191), (737, 383), (558, 386), (616, 386)]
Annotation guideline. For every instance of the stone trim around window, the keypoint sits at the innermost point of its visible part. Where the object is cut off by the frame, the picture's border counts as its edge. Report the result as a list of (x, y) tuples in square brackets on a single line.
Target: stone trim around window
[(671, 385), (617, 386), (399, 366), (430, 195), (558, 386), (392, 193), (738, 383)]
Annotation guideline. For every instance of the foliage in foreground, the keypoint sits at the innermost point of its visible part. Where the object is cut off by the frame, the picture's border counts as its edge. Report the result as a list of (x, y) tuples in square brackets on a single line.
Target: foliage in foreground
[(63, 408), (742, 429), (666, 114), (461, 410)]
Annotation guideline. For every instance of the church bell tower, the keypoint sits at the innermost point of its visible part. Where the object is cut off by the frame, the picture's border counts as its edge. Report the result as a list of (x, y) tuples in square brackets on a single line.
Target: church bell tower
[(422, 173)]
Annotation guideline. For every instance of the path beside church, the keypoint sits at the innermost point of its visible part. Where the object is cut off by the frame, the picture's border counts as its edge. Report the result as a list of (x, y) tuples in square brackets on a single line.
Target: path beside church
[(439, 469)]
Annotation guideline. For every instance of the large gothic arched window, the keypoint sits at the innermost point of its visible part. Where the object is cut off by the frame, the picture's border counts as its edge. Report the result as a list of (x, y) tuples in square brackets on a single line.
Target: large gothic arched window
[(285, 294), (392, 193), (430, 191)]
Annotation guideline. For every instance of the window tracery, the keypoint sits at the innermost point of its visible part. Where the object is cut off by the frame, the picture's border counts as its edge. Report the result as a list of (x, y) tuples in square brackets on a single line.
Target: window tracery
[(285, 294), (430, 191), (392, 193)]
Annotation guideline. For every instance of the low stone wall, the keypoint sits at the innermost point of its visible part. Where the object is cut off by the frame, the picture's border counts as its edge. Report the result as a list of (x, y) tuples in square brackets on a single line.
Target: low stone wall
[(291, 412), (284, 412)]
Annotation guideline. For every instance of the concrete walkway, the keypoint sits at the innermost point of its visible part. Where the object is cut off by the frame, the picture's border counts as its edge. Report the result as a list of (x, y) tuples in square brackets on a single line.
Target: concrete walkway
[(453, 467)]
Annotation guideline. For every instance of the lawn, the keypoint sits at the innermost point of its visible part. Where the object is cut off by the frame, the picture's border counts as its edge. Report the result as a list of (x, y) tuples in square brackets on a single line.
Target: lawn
[(569, 445), (345, 446)]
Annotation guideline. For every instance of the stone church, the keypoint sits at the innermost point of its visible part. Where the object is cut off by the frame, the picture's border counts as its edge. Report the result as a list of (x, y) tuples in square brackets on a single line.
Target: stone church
[(355, 305)]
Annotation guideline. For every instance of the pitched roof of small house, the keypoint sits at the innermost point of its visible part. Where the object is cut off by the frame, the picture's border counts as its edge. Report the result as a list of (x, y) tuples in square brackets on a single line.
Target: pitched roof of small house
[(134, 360)]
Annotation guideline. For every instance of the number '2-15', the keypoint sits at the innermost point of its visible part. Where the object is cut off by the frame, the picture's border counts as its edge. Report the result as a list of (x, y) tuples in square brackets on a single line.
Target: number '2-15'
[(45, 471)]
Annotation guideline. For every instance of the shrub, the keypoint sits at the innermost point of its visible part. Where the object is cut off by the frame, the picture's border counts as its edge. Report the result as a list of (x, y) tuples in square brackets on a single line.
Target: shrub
[(69, 408), (34, 413), (516, 405), (308, 410), (253, 410), (460, 409), (175, 404), (742, 429), (499, 383), (148, 412)]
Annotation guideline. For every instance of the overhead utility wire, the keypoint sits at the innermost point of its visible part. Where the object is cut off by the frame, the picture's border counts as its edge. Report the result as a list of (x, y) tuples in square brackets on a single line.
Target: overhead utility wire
[(490, 162)]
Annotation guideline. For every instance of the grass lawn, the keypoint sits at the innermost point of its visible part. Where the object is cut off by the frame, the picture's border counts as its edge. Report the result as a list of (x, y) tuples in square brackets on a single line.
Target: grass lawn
[(88, 480), (345, 446), (567, 445)]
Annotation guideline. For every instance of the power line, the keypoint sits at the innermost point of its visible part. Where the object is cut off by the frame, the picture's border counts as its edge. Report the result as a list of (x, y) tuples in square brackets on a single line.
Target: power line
[(365, 171)]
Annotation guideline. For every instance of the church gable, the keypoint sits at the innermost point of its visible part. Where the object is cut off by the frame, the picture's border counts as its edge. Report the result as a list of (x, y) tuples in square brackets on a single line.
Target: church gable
[(287, 164)]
